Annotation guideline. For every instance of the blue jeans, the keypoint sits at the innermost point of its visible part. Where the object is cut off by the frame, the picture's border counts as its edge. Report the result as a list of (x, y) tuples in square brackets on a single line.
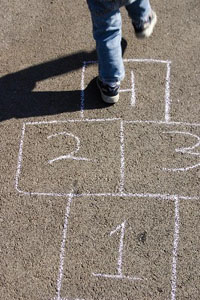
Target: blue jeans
[(106, 20)]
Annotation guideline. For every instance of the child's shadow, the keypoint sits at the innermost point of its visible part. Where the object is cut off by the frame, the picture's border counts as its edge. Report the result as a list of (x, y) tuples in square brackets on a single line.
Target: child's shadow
[(17, 100)]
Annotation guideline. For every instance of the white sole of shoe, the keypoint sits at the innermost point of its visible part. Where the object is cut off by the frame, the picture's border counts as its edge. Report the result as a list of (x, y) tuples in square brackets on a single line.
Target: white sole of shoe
[(108, 99), (149, 30)]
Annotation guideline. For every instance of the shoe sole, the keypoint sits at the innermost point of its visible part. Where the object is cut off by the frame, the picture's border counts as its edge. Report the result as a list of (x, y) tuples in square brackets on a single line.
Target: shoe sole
[(108, 99), (149, 30)]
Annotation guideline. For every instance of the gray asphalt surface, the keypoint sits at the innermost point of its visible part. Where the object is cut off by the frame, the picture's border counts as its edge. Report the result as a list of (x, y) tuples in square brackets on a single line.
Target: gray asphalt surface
[(98, 202)]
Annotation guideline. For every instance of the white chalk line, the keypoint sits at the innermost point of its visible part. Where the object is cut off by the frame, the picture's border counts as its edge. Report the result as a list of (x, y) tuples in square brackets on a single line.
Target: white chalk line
[(19, 163), (72, 121), (62, 250), (125, 90), (161, 122), (122, 167), (82, 105), (175, 250), (111, 120), (167, 94), (121, 195), (132, 90), (121, 246), (56, 298), (147, 60), (64, 157), (133, 99), (117, 276)]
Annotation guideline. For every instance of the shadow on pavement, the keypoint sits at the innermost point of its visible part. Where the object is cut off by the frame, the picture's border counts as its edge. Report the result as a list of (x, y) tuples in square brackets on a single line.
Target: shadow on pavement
[(17, 100)]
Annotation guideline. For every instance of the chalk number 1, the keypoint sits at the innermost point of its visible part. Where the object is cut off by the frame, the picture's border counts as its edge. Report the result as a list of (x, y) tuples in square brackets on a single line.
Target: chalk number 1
[(120, 228)]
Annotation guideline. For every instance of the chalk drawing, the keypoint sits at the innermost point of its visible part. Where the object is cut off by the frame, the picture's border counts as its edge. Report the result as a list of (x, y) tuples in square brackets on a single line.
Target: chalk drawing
[(62, 250), (167, 112), (175, 250), (133, 100), (120, 275), (19, 163), (132, 90), (167, 94), (72, 154), (122, 168), (187, 150), (162, 122), (192, 150), (56, 298), (82, 90)]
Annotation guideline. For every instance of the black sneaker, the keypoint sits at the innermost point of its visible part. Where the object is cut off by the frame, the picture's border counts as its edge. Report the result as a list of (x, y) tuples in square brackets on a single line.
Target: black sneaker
[(109, 94), (144, 30)]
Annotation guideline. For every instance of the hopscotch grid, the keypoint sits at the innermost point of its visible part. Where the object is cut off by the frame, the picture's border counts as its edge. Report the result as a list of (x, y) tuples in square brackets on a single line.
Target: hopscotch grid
[(175, 198)]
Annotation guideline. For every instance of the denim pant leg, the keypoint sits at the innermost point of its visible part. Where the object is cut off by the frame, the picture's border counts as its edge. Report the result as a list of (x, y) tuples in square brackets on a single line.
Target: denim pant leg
[(139, 10), (106, 21)]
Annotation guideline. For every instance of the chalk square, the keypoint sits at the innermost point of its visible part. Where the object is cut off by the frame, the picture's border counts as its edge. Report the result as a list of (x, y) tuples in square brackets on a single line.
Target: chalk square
[(60, 157), (162, 159), (188, 279), (144, 92), (90, 249)]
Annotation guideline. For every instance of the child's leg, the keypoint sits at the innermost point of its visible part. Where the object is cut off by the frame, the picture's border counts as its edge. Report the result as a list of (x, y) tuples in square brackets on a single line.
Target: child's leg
[(143, 17), (106, 21), (139, 10)]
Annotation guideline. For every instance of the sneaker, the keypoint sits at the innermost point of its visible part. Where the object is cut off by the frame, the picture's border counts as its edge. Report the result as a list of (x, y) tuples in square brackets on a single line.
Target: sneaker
[(144, 30), (109, 94)]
